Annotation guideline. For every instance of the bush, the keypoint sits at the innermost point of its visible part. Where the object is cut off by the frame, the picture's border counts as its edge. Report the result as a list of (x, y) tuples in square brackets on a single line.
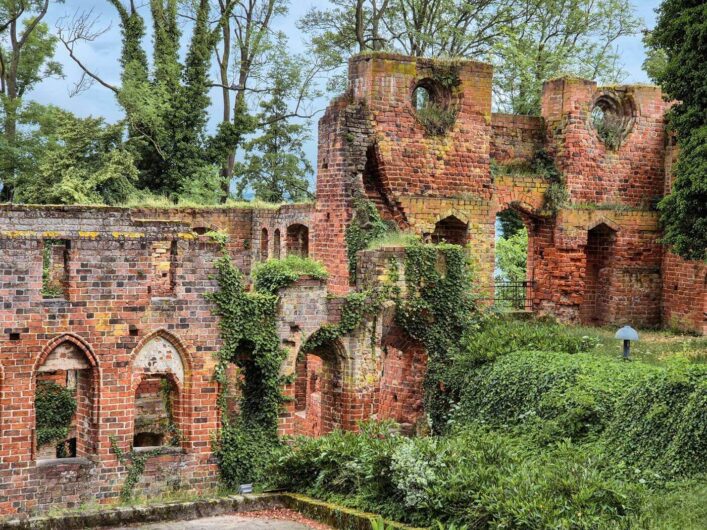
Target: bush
[(55, 407), (478, 478), (551, 395), (662, 423), (244, 453), (274, 274)]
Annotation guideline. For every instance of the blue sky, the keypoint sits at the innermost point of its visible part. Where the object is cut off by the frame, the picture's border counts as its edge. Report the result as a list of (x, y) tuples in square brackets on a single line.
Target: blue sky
[(102, 57)]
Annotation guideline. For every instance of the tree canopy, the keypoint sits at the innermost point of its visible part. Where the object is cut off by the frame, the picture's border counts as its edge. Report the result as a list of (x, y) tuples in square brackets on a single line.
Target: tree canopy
[(680, 37)]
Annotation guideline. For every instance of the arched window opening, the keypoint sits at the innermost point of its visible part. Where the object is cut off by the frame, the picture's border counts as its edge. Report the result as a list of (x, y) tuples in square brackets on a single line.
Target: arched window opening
[(264, 242), (318, 392), (450, 230), (156, 403), (64, 404), (512, 278), (298, 240), (158, 383), (597, 276), (276, 244)]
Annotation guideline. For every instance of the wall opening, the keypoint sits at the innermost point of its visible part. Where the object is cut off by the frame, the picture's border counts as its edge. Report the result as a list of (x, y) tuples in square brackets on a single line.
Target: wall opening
[(264, 242), (156, 411), (597, 275), (318, 392), (298, 240), (55, 268), (276, 244), (512, 268), (612, 118), (160, 393), (164, 269), (374, 189), (65, 387), (450, 230)]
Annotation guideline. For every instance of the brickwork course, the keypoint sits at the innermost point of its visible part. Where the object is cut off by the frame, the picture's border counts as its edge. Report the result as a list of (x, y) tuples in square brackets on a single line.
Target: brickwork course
[(121, 306)]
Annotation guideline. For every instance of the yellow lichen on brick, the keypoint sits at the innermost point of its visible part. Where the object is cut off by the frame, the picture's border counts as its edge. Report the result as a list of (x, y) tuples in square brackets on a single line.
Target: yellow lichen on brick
[(128, 235)]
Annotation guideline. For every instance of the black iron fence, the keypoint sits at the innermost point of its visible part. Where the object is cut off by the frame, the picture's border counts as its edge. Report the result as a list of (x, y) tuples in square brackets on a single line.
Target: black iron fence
[(513, 296)]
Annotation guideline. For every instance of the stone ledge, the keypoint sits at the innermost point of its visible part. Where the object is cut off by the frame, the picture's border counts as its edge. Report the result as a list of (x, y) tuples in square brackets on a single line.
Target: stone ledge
[(122, 516), (334, 515)]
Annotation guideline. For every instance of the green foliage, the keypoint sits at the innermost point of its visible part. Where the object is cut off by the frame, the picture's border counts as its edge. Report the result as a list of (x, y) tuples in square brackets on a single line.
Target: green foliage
[(244, 453), (274, 274), (134, 462), (77, 161), (54, 406), (436, 119), (248, 329), (610, 128), (661, 424), (511, 223), (476, 478), (680, 34), (684, 211), (512, 255), (365, 226), (437, 310), (275, 165)]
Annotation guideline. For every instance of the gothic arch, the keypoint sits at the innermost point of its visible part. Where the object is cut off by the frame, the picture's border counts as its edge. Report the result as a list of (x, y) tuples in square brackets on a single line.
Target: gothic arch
[(161, 356), (157, 366), (60, 339)]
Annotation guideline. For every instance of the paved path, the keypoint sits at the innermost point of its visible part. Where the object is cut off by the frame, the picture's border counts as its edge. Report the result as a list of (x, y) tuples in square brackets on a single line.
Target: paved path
[(223, 522)]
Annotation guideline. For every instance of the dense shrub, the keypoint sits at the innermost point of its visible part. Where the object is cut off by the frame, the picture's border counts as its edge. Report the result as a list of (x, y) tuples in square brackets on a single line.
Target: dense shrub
[(662, 423), (243, 452), (274, 274), (551, 395), (479, 478)]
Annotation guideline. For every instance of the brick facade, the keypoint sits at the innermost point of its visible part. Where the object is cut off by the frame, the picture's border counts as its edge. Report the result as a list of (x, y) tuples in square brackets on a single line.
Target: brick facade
[(123, 307)]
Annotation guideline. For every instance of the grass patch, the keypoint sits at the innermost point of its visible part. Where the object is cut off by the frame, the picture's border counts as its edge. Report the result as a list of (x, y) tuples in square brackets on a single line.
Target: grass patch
[(274, 274), (394, 239)]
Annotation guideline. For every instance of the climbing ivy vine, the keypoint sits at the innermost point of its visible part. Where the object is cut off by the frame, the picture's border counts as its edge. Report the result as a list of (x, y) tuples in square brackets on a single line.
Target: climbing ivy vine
[(366, 225), (437, 309), (250, 341)]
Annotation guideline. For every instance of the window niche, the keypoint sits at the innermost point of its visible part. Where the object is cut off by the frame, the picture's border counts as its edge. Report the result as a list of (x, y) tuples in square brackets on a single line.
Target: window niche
[(612, 118), (276, 244), (156, 398), (298, 240), (163, 260), (55, 268), (64, 404), (264, 243), (431, 102)]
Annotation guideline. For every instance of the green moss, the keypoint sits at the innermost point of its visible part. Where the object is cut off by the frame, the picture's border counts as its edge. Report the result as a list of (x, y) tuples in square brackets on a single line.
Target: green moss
[(274, 274)]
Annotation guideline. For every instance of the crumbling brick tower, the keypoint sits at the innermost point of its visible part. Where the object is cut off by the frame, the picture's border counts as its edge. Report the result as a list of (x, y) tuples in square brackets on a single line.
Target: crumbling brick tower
[(373, 142), (594, 254)]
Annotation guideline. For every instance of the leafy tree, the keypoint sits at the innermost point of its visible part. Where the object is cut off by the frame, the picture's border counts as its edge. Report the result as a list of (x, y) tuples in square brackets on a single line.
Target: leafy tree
[(165, 105), (275, 165), (511, 223), (512, 256), (76, 161), (681, 35), (26, 51)]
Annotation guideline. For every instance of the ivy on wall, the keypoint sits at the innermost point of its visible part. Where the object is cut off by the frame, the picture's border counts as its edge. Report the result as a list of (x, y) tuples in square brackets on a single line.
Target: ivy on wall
[(366, 225), (437, 310)]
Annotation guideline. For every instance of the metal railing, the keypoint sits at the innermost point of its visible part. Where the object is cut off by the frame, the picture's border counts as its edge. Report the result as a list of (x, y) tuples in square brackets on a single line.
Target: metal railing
[(513, 296)]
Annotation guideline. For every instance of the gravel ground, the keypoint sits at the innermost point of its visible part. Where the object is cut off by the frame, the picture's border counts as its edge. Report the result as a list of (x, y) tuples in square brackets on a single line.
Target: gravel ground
[(277, 519)]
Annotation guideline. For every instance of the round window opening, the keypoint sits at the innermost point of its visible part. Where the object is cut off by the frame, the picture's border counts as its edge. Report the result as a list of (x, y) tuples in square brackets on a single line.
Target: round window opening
[(433, 107), (612, 119)]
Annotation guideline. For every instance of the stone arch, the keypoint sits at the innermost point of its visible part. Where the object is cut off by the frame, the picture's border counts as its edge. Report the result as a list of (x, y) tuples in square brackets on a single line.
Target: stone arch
[(298, 240), (603, 221), (598, 253), (319, 381), (452, 230), (160, 373), (68, 361)]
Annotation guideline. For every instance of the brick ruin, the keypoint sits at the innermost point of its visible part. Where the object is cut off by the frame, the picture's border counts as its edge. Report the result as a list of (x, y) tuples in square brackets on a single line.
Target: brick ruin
[(109, 302)]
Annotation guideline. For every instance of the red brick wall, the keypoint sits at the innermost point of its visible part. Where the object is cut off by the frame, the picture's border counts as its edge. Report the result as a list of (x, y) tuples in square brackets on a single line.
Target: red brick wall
[(634, 173), (516, 139)]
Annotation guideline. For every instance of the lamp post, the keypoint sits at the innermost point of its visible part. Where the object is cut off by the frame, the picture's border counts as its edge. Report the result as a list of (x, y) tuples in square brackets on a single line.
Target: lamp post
[(627, 334)]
